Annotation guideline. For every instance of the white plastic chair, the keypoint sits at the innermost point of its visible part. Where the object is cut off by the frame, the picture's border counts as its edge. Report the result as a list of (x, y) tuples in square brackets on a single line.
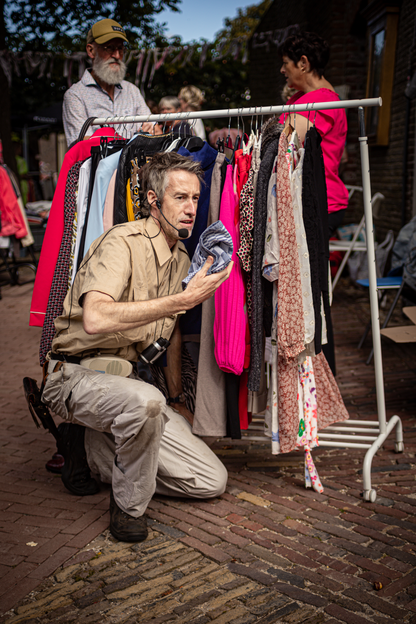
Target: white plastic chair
[(354, 244)]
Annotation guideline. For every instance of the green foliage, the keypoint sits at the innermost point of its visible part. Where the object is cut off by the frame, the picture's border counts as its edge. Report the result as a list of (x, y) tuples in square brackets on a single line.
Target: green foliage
[(49, 22), (244, 25), (223, 82)]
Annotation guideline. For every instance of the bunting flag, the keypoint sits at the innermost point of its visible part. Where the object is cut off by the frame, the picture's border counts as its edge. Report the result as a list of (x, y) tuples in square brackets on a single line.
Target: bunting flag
[(41, 63), (145, 70), (165, 53), (32, 61), (203, 56), (139, 67), (157, 64), (245, 54), (179, 56), (50, 70), (152, 72), (6, 65), (189, 55), (235, 48), (220, 51)]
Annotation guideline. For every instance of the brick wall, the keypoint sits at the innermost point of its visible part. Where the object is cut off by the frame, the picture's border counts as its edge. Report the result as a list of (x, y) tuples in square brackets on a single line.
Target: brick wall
[(345, 29), (387, 162)]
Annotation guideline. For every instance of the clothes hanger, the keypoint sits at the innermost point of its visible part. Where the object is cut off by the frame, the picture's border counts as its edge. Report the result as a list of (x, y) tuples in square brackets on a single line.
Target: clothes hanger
[(110, 143), (228, 142), (237, 142), (239, 137), (193, 143), (243, 143), (245, 137)]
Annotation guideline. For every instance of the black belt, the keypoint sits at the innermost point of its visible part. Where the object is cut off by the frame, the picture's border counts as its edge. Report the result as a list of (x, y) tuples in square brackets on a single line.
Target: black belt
[(71, 359)]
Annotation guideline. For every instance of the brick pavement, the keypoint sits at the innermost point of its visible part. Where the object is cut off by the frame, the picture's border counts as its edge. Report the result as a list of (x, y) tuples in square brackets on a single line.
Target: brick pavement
[(266, 551)]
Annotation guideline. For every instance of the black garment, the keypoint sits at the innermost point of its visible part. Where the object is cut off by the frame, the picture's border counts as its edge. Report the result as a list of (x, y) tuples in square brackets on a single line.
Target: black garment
[(267, 307), (188, 377), (232, 389), (182, 129), (270, 145), (315, 218), (335, 220), (142, 146)]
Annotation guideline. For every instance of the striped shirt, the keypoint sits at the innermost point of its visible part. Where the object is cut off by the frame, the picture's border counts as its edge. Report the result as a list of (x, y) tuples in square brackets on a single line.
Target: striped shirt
[(87, 99)]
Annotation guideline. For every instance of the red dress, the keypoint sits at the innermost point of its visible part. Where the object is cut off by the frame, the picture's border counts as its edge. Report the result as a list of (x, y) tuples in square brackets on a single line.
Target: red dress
[(53, 235)]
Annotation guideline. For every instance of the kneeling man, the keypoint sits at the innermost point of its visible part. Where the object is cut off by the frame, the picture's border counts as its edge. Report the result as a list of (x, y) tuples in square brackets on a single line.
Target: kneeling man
[(126, 297)]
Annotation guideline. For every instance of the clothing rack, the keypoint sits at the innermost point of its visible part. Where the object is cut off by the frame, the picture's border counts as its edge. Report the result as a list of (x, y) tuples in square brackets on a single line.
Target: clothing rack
[(367, 434)]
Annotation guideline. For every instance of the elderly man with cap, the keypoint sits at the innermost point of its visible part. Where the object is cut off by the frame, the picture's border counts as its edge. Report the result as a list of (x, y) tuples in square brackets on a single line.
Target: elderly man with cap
[(102, 90)]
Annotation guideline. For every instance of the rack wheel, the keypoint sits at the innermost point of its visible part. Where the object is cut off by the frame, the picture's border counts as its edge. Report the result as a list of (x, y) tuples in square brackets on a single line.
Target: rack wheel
[(398, 447), (370, 496)]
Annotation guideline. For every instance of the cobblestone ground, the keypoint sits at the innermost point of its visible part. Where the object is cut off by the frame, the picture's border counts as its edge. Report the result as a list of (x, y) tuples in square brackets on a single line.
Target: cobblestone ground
[(267, 550)]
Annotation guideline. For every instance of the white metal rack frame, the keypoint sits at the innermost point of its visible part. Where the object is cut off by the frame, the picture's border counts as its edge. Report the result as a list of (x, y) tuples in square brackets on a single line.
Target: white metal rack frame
[(358, 434)]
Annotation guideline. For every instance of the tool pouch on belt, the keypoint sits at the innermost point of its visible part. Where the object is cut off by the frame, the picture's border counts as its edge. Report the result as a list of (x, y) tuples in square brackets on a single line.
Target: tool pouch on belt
[(39, 411)]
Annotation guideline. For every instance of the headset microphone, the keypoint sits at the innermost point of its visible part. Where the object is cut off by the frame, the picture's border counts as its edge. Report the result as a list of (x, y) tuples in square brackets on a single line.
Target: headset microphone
[(183, 232)]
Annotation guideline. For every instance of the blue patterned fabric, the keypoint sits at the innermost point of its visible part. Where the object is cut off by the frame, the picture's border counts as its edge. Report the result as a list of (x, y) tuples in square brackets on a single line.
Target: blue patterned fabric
[(214, 241)]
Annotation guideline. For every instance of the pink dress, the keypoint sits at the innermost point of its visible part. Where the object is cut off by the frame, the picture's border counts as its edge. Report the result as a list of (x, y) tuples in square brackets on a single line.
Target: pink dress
[(332, 126), (53, 235), (230, 319)]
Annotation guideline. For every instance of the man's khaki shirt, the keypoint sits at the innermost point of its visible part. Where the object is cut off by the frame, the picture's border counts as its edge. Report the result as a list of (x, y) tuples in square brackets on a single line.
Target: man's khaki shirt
[(128, 266)]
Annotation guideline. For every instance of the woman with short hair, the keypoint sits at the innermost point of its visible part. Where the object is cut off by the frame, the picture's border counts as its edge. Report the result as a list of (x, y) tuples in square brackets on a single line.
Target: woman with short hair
[(305, 56), (171, 104), (191, 99)]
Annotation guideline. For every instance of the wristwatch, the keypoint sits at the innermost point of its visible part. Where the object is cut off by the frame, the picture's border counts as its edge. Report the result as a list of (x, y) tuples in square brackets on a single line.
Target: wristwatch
[(179, 399)]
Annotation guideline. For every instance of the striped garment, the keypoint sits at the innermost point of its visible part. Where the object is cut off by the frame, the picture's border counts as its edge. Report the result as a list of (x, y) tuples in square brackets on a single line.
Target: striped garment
[(214, 241)]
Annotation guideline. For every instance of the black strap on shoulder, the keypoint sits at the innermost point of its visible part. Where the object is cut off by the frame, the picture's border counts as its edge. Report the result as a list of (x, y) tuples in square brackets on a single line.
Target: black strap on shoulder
[(84, 128)]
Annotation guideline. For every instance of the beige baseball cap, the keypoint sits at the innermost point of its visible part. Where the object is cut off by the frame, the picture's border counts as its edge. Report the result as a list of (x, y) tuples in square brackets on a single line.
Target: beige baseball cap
[(104, 30)]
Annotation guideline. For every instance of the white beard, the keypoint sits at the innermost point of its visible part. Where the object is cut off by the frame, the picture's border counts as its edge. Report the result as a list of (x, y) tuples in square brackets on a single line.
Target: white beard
[(108, 74)]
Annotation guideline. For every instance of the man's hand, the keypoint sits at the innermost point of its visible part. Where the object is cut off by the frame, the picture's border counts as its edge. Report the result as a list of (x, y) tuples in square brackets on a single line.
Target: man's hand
[(151, 128), (203, 286)]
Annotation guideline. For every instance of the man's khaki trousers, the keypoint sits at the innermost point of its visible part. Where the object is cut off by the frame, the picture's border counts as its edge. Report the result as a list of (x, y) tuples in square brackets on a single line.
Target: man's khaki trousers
[(134, 440)]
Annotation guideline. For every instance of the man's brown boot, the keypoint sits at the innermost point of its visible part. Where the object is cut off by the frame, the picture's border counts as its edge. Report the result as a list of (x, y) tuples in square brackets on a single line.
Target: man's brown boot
[(124, 527)]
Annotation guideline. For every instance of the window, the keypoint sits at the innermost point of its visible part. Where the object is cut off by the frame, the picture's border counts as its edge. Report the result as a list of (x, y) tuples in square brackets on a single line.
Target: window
[(382, 35)]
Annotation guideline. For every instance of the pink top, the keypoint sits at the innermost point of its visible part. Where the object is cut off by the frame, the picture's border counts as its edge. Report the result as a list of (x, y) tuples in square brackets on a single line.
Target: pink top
[(54, 230), (230, 319), (332, 126)]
